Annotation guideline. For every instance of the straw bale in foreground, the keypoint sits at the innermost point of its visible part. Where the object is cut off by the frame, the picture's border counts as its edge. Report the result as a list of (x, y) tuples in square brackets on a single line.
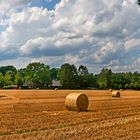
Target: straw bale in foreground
[(76, 102)]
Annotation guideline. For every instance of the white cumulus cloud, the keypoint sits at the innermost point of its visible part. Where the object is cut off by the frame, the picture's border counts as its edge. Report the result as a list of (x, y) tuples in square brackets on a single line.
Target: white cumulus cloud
[(95, 33)]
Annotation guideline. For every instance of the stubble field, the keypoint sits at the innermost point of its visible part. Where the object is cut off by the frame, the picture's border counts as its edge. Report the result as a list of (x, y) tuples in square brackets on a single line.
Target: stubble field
[(41, 115)]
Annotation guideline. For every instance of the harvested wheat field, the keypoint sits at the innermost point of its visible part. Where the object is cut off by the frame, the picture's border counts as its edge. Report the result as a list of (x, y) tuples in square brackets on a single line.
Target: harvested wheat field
[(42, 115)]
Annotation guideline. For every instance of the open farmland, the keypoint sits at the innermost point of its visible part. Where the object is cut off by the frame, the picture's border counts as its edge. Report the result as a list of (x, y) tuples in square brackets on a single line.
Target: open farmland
[(41, 115)]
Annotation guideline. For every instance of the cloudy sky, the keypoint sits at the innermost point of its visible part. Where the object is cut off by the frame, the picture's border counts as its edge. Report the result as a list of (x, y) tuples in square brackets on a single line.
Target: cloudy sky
[(95, 33)]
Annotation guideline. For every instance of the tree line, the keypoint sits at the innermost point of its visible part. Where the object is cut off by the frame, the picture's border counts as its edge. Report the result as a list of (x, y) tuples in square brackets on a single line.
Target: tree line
[(39, 75)]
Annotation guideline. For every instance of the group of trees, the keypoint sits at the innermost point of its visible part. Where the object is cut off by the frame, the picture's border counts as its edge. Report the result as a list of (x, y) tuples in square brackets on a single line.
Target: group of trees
[(33, 76), (39, 75), (71, 77), (107, 79)]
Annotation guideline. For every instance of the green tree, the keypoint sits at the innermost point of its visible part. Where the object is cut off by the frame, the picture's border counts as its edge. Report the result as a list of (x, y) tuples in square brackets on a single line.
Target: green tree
[(37, 75), (82, 70), (8, 78), (104, 79), (85, 79), (94, 82), (4, 69), (126, 86), (68, 76), (119, 81), (45, 77), (54, 73), (1, 80), (18, 79)]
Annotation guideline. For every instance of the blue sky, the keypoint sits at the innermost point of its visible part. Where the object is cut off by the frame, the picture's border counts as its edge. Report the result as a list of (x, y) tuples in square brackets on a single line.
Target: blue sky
[(97, 34), (49, 4)]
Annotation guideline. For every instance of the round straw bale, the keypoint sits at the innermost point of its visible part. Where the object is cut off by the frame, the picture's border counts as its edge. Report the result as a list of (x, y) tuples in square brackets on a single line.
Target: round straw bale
[(76, 102), (110, 90), (56, 89), (115, 94)]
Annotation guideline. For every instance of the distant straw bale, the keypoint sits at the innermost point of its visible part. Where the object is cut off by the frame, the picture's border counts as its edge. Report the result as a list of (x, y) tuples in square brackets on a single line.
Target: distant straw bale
[(110, 90), (56, 89), (76, 102), (115, 94)]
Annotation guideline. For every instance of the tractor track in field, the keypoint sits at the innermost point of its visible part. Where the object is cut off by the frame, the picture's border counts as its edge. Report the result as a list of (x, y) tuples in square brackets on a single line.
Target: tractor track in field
[(77, 129), (95, 124)]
